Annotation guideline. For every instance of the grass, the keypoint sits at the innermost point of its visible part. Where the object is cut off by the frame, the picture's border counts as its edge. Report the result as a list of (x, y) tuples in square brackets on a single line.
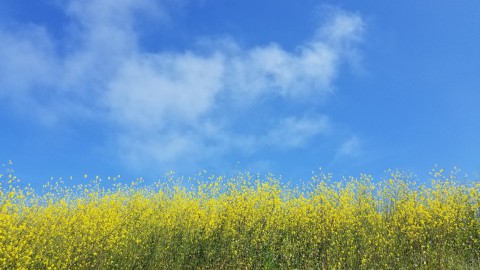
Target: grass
[(242, 222)]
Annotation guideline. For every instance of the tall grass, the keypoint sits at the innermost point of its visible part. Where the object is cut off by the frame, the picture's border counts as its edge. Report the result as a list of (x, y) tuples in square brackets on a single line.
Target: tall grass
[(243, 222)]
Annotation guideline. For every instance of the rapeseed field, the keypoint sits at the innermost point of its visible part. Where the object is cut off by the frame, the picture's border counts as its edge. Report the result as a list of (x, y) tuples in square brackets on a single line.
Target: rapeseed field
[(242, 222)]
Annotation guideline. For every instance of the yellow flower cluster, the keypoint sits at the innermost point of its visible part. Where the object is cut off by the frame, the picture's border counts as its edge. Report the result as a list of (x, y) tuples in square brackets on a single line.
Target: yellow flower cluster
[(244, 222)]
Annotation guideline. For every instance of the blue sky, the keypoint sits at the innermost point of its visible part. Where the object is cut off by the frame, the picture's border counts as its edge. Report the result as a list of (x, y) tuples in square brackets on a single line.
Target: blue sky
[(142, 87)]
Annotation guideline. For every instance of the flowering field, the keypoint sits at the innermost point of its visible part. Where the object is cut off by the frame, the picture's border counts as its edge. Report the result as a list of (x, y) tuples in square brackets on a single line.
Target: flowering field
[(242, 222)]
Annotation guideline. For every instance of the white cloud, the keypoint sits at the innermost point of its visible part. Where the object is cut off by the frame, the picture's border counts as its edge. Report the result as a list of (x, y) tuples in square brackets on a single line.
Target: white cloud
[(152, 91), (164, 149), (350, 148), (295, 132), (27, 61), (272, 70), (165, 105), (342, 28)]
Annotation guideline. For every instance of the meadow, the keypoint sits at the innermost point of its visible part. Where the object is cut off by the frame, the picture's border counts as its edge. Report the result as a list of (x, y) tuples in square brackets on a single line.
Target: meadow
[(242, 222)]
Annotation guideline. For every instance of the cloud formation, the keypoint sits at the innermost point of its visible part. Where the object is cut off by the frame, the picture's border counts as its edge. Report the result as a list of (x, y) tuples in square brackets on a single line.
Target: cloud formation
[(170, 105), (350, 148), (295, 131)]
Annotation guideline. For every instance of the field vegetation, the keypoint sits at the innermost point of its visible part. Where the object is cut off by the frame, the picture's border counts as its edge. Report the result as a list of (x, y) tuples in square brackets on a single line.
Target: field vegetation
[(242, 222)]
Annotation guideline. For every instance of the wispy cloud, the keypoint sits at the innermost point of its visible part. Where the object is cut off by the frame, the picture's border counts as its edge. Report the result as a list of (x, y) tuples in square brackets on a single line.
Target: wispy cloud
[(351, 148), (168, 105), (294, 132)]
